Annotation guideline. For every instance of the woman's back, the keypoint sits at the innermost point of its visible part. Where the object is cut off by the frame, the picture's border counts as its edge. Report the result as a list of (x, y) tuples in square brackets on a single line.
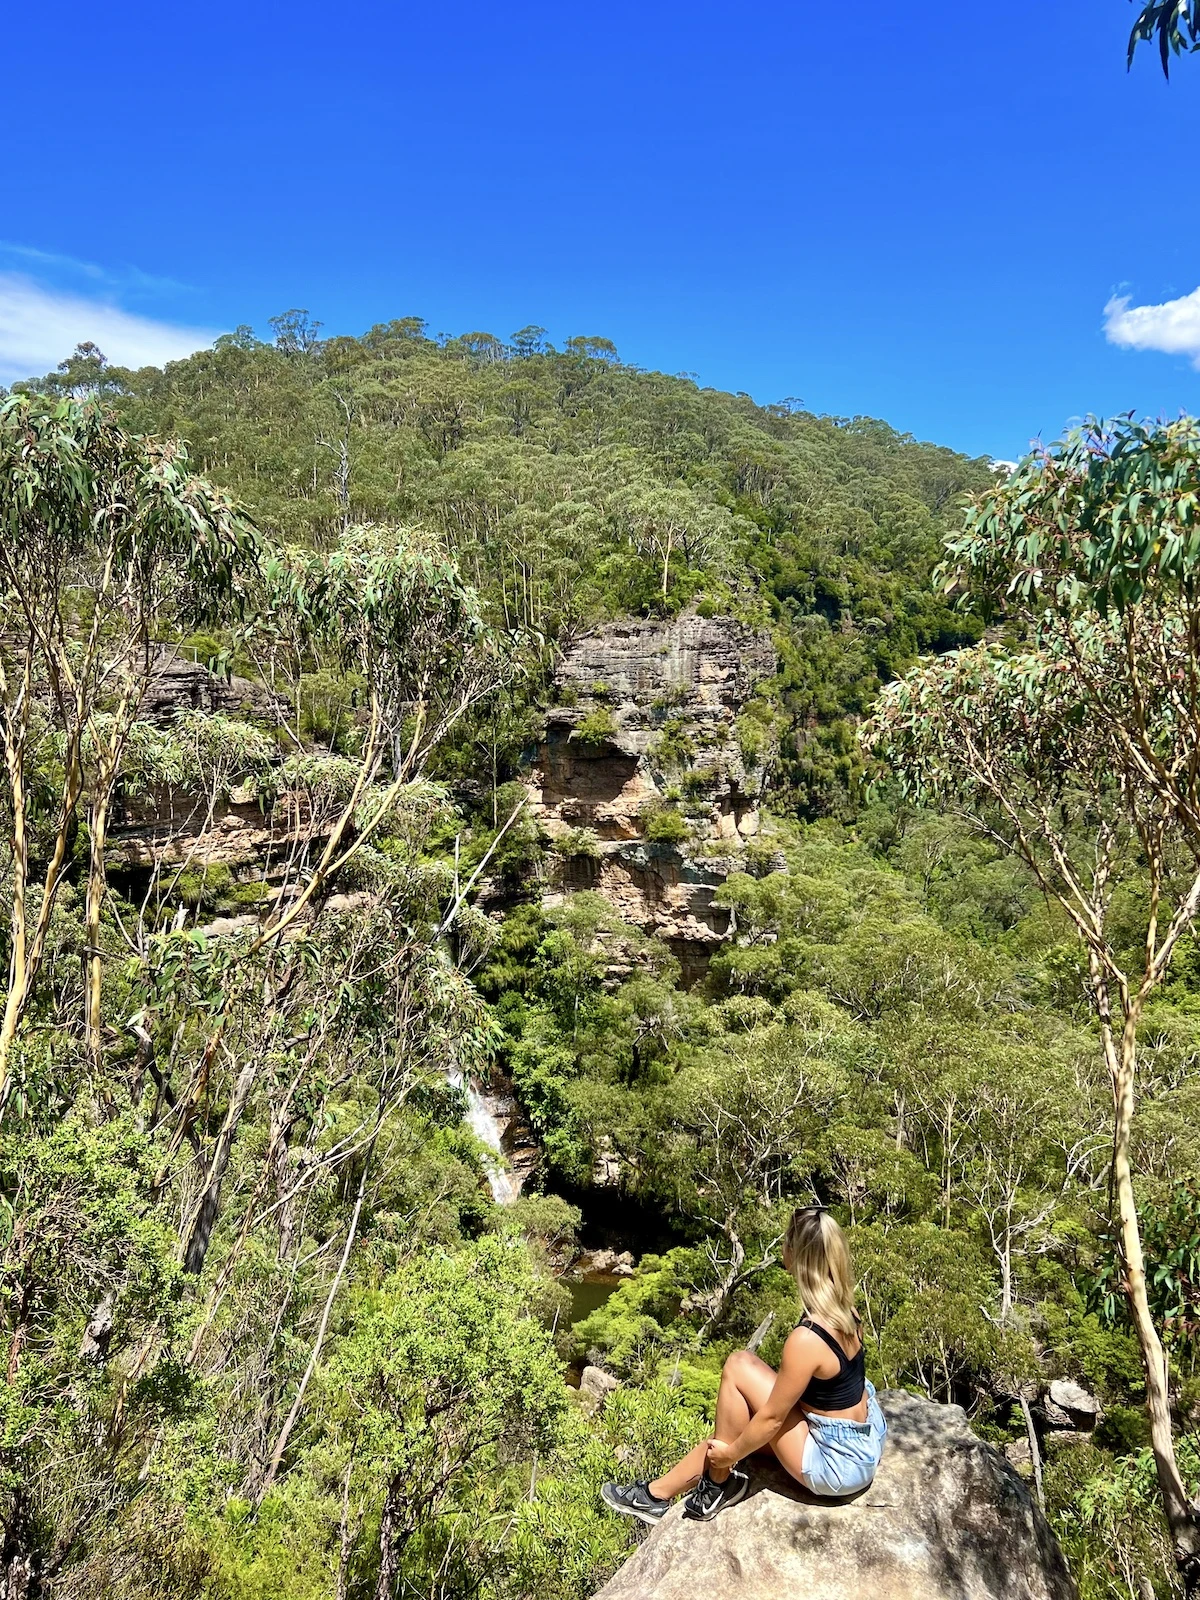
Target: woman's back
[(841, 1391)]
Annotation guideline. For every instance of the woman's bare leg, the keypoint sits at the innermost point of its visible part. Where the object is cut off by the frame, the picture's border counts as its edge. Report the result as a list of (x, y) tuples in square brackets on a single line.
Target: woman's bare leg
[(746, 1381), (684, 1475)]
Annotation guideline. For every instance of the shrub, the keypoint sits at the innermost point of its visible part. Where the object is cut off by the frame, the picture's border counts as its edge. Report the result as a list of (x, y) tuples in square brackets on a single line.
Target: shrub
[(205, 888), (579, 842), (754, 732), (202, 648), (249, 895), (545, 1217), (666, 826), (598, 727), (674, 695), (675, 746), (699, 780), (328, 707)]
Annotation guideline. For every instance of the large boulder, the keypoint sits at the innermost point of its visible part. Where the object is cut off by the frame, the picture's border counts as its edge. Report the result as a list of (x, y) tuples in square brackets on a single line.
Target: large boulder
[(595, 1386), (178, 684), (946, 1518), (1069, 1405)]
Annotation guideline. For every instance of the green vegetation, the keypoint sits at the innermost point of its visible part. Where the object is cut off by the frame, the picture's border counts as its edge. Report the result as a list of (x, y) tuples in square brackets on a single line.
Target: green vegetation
[(573, 488), (266, 1331), (1174, 25), (579, 842), (1079, 750), (674, 746), (597, 727), (664, 825)]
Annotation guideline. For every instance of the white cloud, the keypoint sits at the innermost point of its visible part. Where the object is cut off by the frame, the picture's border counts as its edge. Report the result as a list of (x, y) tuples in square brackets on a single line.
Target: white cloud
[(1173, 327), (40, 327), (116, 281)]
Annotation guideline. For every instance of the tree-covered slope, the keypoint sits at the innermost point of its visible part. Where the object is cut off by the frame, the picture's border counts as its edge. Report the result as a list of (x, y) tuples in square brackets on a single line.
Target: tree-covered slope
[(573, 487)]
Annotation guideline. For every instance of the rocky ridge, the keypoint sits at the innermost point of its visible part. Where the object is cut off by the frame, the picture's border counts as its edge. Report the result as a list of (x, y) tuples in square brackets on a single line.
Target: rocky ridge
[(168, 827), (180, 684)]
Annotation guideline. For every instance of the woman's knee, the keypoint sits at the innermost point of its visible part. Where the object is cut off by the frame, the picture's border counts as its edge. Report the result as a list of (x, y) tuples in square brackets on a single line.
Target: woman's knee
[(739, 1362)]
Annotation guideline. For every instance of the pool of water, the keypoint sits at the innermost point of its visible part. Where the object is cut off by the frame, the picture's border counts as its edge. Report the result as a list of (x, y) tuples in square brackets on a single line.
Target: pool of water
[(589, 1293)]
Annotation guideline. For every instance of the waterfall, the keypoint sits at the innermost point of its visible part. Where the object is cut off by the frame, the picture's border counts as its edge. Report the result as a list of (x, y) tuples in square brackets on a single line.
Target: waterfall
[(488, 1128)]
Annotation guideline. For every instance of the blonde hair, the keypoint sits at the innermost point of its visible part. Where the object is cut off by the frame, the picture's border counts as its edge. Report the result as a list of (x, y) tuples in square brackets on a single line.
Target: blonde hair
[(818, 1257)]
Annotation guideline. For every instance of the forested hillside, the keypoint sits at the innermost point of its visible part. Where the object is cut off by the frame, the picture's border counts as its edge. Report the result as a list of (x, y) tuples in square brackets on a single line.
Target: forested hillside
[(572, 488), (280, 911)]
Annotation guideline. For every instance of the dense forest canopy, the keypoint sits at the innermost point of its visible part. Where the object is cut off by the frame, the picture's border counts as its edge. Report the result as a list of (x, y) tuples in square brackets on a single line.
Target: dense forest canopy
[(267, 1329), (572, 488)]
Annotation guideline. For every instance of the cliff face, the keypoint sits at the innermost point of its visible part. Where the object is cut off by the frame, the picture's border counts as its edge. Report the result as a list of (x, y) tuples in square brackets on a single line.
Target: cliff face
[(645, 779), (171, 826)]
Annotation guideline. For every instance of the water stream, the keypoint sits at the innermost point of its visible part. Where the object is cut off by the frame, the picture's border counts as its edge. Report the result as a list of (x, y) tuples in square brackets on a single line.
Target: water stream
[(489, 1118), (488, 1126)]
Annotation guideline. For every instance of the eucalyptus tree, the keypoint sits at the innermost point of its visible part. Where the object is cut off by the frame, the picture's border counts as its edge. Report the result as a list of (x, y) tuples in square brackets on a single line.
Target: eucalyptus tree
[(746, 1123), (389, 609), (662, 521), (105, 538), (448, 1377), (1174, 25), (311, 1031), (1030, 1133), (1077, 748)]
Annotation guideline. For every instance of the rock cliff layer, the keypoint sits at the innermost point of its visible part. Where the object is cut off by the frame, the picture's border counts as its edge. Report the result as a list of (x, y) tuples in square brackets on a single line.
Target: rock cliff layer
[(645, 779)]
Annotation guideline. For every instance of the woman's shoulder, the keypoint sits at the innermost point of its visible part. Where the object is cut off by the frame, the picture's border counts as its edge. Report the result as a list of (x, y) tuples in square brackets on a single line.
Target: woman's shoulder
[(799, 1348), (808, 1328), (803, 1335)]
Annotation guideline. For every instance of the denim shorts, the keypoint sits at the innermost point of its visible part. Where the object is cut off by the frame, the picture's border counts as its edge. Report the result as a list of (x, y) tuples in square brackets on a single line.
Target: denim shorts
[(840, 1457)]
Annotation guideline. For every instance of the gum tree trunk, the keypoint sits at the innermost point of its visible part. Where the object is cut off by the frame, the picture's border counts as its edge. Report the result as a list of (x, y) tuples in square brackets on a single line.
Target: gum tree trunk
[(1183, 1519)]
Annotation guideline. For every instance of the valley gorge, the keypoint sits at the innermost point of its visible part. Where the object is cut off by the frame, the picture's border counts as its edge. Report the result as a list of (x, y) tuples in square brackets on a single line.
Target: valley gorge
[(484, 880)]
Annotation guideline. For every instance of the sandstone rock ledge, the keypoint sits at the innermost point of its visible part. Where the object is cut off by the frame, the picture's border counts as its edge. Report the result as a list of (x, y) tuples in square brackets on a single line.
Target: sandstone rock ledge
[(946, 1518)]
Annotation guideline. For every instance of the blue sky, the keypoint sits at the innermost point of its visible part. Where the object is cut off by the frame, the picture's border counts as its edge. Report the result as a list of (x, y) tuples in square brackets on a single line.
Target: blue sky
[(918, 211)]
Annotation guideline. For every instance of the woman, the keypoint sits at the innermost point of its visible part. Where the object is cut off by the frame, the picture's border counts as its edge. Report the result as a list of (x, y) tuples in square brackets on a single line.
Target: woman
[(819, 1415)]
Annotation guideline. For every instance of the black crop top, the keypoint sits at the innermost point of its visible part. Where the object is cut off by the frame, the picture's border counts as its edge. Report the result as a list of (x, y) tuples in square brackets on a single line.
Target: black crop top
[(848, 1388)]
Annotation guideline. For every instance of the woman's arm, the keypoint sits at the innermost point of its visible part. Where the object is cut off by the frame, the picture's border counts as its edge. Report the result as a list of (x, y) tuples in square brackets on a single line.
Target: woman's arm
[(800, 1356)]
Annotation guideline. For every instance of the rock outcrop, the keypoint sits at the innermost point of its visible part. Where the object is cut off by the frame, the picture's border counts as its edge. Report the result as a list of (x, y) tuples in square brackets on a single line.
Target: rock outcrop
[(604, 1262), (172, 826), (178, 684), (645, 730), (946, 1518), (1069, 1405)]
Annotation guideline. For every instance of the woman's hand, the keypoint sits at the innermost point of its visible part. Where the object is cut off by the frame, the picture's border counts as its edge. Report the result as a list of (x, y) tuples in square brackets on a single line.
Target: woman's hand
[(721, 1456)]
